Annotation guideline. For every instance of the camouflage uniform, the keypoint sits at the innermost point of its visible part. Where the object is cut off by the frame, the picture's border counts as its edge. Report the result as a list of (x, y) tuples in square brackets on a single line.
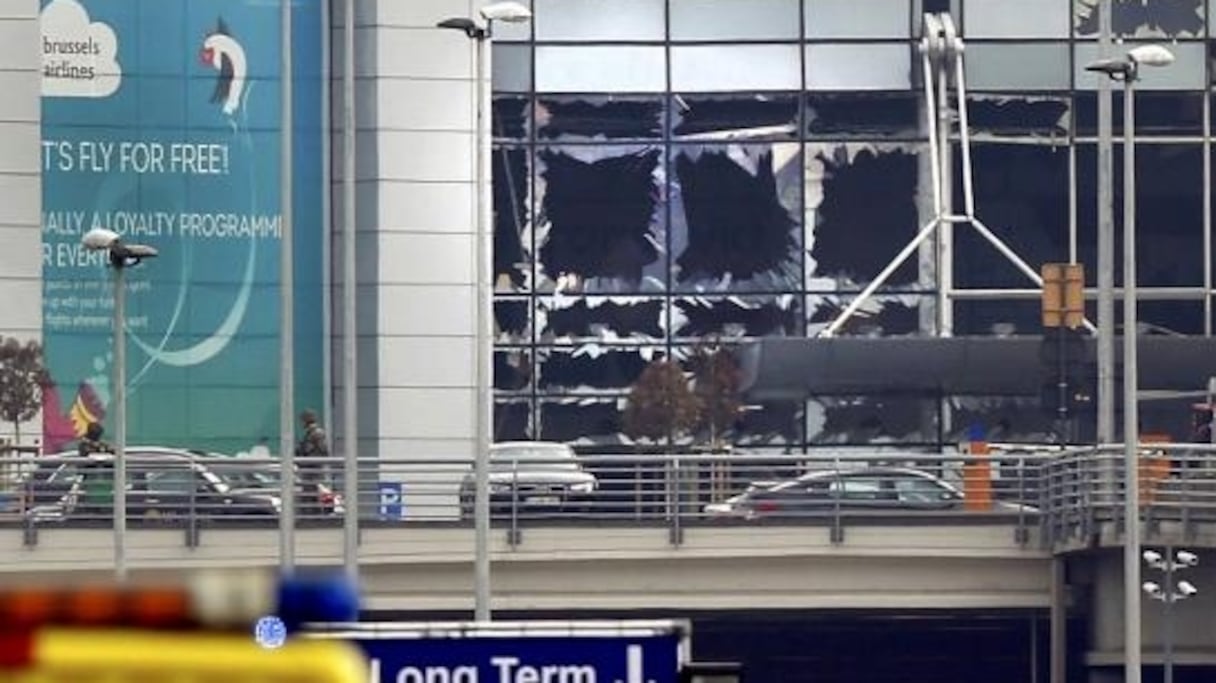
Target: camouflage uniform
[(313, 466)]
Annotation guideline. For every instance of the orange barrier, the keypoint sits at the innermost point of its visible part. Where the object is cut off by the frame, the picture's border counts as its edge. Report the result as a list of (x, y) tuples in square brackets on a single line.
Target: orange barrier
[(977, 478)]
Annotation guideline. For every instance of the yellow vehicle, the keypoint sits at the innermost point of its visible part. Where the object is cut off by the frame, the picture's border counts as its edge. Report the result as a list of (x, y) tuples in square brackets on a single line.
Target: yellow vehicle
[(202, 632)]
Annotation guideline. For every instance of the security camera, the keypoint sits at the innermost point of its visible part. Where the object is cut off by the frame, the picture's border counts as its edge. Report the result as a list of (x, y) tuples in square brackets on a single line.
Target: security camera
[(1186, 557), (1152, 588), (1151, 55), (99, 239), (1187, 589), (1152, 557), (510, 12)]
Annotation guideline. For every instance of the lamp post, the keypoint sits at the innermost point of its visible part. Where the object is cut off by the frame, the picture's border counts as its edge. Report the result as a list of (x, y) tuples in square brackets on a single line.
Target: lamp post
[(511, 12), (1127, 70), (1168, 594), (121, 257)]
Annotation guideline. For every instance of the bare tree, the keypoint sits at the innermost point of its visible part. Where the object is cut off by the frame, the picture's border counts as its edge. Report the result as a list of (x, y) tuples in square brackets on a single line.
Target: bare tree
[(661, 405), (717, 382), (22, 378)]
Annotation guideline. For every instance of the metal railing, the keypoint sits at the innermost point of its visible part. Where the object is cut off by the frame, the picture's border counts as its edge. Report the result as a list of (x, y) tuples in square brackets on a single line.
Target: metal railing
[(1086, 489), (678, 491)]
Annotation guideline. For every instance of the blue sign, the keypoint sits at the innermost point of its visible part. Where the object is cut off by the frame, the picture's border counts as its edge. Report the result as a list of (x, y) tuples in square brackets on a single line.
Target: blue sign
[(525, 659), (392, 500)]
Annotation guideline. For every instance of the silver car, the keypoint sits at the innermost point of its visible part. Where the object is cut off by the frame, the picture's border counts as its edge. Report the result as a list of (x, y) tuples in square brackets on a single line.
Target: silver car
[(531, 478)]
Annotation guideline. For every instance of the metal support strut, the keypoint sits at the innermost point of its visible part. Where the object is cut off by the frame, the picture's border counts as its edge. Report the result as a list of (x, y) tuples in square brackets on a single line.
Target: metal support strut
[(941, 51)]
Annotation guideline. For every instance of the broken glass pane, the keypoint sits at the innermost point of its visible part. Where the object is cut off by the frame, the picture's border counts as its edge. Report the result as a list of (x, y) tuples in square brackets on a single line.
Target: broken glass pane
[(512, 370), (583, 420), (734, 117), (510, 116), (512, 239), (1004, 419), (1157, 113), (881, 315), (1021, 195), (1000, 317), (513, 320), (737, 316), (592, 368), (599, 117), (1142, 18), (865, 116), (861, 206), (512, 420), (1169, 212), (777, 422), (601, 226), (735, 217), (868, 420), (1018, 115), (563, 319)]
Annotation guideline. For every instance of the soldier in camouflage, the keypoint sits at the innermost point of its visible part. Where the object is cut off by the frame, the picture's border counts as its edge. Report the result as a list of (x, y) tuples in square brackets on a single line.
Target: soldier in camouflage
[(313, 465)]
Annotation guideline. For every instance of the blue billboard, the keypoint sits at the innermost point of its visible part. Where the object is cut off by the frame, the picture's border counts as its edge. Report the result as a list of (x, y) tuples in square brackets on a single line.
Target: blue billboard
[(161, 122), (652, 658)]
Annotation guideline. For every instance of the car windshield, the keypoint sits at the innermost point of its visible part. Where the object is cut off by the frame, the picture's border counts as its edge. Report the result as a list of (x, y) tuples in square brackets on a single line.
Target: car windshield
[(555, 457)]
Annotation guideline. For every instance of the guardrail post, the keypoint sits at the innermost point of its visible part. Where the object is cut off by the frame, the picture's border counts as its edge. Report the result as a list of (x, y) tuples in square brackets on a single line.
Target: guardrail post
[(675, 533)]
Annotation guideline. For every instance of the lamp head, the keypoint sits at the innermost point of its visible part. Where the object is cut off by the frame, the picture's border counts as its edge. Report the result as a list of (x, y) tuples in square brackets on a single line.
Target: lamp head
[(99, 239), (1114, 68), (510, 12), (463, 24), (1151, 55)]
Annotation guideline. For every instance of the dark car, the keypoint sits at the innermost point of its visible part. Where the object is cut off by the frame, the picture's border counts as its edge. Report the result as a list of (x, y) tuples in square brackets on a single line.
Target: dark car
[(532, 478), (863, 488), (251, 475), (162, 483)]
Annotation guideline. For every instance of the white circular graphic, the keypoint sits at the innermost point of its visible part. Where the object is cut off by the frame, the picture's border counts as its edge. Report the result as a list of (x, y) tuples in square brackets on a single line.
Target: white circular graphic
[(270, 632)]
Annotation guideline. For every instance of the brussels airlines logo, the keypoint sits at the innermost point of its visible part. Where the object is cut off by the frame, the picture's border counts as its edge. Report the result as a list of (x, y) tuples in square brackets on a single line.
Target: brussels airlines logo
[(79, 55), (222, 53)]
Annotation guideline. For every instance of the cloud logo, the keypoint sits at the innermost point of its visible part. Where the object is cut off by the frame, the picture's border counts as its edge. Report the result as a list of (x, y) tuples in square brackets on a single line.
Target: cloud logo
[(79, 56)]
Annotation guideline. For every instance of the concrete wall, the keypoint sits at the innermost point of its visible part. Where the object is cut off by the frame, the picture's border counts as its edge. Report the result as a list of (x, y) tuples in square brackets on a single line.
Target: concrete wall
[(20, 181)]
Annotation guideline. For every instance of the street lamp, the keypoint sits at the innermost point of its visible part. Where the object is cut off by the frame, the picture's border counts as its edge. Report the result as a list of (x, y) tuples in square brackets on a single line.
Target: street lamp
[(1168, 594), (121, 257), (510, 12), (1127, 70)]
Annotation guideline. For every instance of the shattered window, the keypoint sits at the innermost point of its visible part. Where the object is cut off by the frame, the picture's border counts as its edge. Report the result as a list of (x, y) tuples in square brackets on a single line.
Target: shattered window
[(1188, 72), (865, 116), (734, 117), (734, 217), (882, 66), (1018, 115), (511, 68), (1006, 420), (584, 420), (1142, 18), (770, 423), (513, 420), (601, 223), (864, 420), (734, 20), (1157, 113), (603, 117), (882, 315), (513, 319), (737, 316), (1021, 195), (853, 228), (1018, 19), (1169, 212), (563, 320), (720, 68), (1017, 66), (512, 370), (510, 117), (592, 368), (512, 247)]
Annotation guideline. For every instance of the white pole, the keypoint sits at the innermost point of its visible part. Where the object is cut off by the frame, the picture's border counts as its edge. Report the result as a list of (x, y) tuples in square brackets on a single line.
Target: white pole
[(1106, 245), (119, 480), (287, 516), (350, 337), (1131, 428), (484, 341)]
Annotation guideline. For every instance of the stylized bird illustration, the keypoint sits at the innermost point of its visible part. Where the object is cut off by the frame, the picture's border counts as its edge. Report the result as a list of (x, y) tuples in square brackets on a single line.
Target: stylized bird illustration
[(60, 425), (224, 54)]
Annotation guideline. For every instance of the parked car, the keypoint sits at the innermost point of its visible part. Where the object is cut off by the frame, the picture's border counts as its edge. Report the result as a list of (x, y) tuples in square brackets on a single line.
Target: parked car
[(161, 483), (251, 476), (864, 488), (530, 478)]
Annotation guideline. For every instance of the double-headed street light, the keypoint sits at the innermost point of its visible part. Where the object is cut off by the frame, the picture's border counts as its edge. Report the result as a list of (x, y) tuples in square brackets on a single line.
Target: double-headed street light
[(510, 12), (1127, 70), (121, 257)]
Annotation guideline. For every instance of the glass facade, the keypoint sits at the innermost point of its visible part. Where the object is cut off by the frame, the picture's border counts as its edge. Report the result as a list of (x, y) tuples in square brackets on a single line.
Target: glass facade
[(677, 170)]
